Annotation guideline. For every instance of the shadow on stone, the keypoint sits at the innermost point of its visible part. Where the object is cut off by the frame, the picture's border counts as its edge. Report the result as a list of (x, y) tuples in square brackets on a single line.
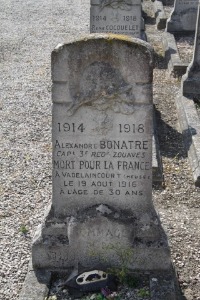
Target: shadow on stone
[(159, 61), (170, 140), (148, 19), (175, 66)]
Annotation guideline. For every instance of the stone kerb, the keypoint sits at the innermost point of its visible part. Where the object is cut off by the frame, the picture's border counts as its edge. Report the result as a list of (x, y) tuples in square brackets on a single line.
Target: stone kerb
[(183, 16), (191, 80), (120, 17), (102, 157)]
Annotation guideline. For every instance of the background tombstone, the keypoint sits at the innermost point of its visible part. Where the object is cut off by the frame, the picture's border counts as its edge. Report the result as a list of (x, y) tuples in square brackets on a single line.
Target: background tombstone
[(102, 157), (183, 16), (191, 80), (115, 16)]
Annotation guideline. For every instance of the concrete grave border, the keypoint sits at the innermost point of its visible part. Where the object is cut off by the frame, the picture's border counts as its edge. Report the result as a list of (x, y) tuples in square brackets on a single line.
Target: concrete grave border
[(36, 285), (190, 126), (175, 66)]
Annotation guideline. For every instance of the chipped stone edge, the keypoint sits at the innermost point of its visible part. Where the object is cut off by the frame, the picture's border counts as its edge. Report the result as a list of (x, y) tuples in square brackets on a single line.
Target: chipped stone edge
[(36, 285), (109, 37), (190, 127), (175, 66), (161, 18)]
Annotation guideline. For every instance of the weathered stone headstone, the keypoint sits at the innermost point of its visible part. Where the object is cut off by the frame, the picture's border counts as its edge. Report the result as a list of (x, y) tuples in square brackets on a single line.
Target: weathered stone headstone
[(116, 16), (183, 16), (102, 158), (191, 80)]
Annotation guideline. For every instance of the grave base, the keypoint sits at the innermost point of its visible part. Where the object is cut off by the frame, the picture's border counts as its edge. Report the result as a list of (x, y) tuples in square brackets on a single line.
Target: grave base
[(163, 285), (97, 238)]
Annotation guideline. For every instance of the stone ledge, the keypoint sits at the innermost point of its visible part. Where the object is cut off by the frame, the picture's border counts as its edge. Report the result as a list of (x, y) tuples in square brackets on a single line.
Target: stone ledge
[(36, 284), (190, 126), (160, 15), (175, 66)]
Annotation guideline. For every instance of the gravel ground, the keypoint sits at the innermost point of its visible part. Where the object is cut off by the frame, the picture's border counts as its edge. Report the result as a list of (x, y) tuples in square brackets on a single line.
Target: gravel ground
[(185, 45), (28, 33), (168, 9)]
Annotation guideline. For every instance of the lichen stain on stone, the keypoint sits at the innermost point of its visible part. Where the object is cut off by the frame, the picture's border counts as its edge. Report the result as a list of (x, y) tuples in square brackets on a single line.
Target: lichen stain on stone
[(122, 37), (106, 36)]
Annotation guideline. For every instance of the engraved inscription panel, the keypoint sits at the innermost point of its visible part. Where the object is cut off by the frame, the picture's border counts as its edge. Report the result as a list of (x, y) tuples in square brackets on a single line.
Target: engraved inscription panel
[(122, 17), (183, 17), (101, 157), (186, 3)]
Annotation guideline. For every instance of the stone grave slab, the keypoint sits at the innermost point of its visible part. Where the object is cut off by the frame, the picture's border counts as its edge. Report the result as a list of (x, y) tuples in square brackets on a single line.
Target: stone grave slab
[(191, 80), (102, 158), (183, 16), (117, 16)]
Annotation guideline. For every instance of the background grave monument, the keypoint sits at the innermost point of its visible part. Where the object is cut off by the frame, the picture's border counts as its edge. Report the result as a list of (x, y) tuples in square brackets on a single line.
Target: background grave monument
[(102, 157), (117, 16), (191, 80), (186, 108), (183, 16)]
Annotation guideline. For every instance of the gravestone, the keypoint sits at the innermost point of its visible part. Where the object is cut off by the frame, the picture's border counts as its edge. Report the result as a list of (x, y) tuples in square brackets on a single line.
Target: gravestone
[(183, 16), (117, 16), (191, 80), (102, 158)]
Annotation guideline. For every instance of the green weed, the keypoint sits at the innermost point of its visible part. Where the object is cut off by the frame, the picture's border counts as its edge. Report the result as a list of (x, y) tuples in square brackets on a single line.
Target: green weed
[(143, 293), (23, 229), (123, 256)]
